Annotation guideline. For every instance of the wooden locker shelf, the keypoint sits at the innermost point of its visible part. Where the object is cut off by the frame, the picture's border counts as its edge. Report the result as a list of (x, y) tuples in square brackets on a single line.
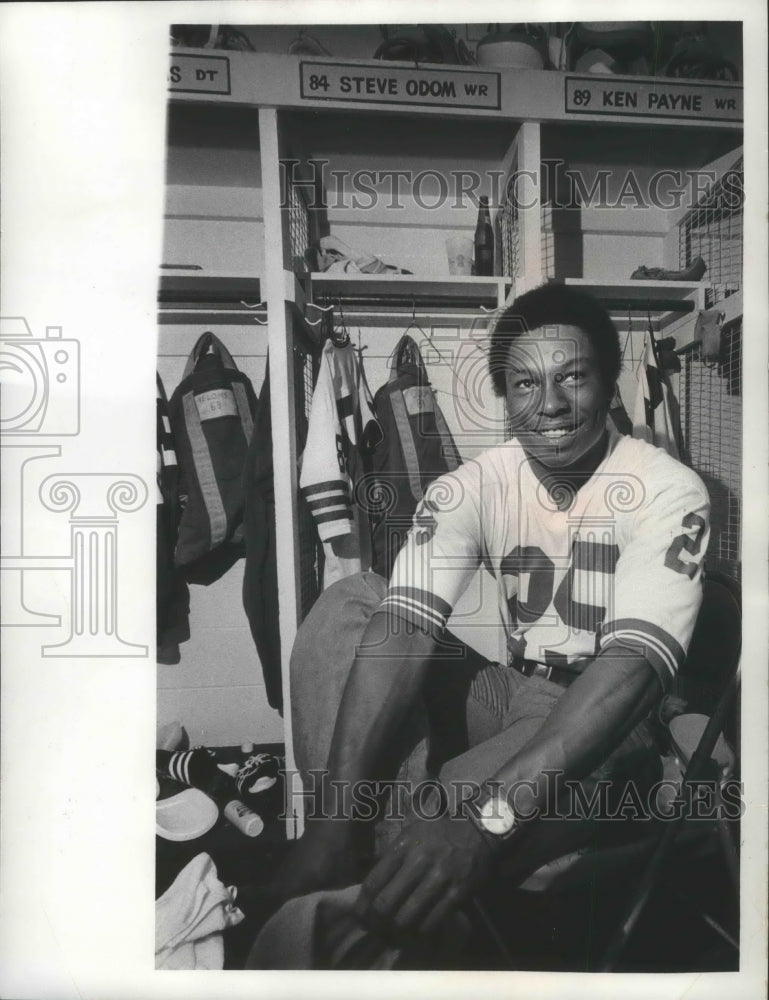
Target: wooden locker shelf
[(403, 291), (195, 298), (664, 300), (206, 289)]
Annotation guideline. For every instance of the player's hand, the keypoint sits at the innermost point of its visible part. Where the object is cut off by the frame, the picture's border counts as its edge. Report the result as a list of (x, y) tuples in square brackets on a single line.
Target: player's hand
[(432, 868)]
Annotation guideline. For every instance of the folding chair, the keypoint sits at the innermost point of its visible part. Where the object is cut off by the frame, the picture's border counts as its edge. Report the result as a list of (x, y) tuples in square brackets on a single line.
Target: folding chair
[(697, 740), (707, 685)]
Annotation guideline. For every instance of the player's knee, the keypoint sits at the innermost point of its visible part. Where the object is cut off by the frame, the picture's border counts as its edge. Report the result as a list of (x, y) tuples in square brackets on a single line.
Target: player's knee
[(327, 638)]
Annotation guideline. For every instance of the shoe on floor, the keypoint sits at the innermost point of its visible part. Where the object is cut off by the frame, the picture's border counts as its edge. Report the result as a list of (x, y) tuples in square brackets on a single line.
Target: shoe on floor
[(258, 773)]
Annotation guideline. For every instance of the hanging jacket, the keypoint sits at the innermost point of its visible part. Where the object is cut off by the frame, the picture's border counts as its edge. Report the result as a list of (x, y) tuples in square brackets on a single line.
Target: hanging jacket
[(172, 594), (341, 436), (260, 575), (212, 412), (417, 447)]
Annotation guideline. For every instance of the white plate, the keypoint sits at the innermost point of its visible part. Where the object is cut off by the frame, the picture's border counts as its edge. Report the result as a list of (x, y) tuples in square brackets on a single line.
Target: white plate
[(185, 816)]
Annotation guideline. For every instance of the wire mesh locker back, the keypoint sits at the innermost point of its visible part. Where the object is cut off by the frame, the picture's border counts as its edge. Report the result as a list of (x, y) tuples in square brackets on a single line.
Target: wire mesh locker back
[(713, 230), (302, 197), (298, 225), (507, 230), (711, 427), (547, 240)]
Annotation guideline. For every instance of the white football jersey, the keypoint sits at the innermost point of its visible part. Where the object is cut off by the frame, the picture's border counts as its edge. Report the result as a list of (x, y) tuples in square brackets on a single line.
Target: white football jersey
[(341, 425), (615, 563)]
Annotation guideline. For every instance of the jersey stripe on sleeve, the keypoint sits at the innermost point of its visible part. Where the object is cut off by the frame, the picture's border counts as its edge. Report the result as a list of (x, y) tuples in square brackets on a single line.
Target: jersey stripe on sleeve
[(417, 607), (662, 651), (330, 506), (329, 486)]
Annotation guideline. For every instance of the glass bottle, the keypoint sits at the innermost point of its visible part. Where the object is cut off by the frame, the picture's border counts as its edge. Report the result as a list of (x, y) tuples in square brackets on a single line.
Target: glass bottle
[(484, 240)]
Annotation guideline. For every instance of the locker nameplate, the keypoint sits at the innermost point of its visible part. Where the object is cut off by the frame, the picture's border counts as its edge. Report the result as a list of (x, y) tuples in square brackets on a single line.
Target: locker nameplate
[(193, 74), (586, 95), (324, 81)]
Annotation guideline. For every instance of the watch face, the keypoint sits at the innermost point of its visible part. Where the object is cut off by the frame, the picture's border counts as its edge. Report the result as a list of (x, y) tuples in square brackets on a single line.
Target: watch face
[(497, 817)]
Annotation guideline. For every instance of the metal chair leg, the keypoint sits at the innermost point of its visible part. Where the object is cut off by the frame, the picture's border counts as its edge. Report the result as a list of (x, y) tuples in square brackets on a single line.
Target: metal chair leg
[(694, 771)]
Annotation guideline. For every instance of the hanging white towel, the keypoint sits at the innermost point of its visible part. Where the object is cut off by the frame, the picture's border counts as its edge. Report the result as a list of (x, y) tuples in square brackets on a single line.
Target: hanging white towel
[(652, 415), (190, 917)]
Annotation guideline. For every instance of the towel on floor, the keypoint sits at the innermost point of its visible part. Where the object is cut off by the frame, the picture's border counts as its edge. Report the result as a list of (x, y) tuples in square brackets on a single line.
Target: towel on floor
[(190, 917)]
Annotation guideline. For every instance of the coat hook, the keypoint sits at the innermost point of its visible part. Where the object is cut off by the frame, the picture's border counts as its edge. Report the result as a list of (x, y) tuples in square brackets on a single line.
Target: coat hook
[(255, 305), (323, 309), (341, 337)]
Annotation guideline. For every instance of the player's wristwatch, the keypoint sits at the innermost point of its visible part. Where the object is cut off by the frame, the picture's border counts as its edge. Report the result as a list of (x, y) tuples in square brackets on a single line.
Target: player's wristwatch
[(493, 815)]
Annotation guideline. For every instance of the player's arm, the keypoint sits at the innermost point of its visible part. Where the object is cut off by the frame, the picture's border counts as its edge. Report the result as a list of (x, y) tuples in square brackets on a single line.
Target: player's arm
[(589, 720), (433, 569), (435, 865), (657, 594), (393, 656), (383, 684)]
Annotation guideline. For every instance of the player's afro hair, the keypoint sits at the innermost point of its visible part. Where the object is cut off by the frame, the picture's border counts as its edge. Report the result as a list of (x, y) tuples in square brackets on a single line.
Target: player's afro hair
[(551, 305)]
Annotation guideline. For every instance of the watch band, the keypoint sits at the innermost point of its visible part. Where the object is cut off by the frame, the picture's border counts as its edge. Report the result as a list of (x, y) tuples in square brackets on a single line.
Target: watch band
[(473, 811)]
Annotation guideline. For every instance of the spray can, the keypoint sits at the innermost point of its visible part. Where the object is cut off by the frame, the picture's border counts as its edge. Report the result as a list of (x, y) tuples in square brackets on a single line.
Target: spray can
[(243, 818)]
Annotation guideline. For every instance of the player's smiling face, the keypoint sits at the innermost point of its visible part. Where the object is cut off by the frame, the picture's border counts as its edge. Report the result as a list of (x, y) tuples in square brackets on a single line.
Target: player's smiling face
[(556, 399)]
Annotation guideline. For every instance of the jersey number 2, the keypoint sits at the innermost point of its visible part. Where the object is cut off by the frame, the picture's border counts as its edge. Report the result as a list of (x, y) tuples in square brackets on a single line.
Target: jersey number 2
[(686, 543), (589, 556)]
